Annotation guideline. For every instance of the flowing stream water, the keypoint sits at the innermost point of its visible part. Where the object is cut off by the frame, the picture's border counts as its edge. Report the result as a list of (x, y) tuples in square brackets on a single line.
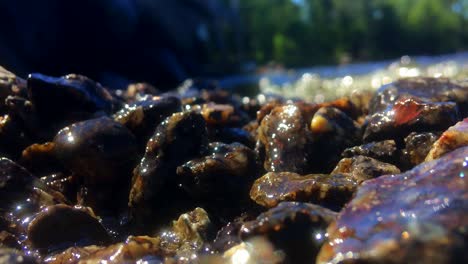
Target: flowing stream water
[(318, 84)]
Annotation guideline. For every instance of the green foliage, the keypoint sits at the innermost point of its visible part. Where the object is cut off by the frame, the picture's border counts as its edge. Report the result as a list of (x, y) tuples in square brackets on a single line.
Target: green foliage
[(306, 32)]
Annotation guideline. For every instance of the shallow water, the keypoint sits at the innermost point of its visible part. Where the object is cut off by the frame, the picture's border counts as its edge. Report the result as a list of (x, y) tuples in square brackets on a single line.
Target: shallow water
[(318, 84)]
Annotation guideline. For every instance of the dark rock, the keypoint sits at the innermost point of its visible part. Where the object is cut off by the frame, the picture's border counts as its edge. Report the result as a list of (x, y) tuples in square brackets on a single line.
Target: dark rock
[(14, 181), (408, 115), (142, 117), (178, 139), (299, 229), (210, 92), (228, 235), (381, 150), (101, 154), (62, 226), (333, 131), (63, 183), (75, 97), (425, 89), (9, 240), (40, 159), (178, 244), (251, 106), (22, 112), (225, 175), (30, 124), (18, 185), (10, 85), (418, 145), (224, 122), (13, 137), (230, 135), (23, 195), (252, 128)]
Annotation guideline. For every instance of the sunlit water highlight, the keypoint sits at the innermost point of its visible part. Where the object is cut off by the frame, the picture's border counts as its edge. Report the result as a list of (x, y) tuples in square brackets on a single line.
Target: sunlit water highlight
[(319, 84)]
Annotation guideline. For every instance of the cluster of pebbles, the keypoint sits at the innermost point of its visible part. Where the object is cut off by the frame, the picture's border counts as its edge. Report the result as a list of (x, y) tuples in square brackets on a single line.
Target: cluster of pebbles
[(94, 175)]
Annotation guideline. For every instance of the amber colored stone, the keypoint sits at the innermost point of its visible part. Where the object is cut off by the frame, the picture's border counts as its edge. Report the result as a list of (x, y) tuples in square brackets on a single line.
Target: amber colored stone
[(332, 190), (455, 137)]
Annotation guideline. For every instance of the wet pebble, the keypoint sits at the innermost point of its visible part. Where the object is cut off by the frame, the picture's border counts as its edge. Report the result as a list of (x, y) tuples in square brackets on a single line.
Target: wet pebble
[(299, 229), (142, 117), (10, 85), (230, 135), (283, 137), (73, 96), (362, 168), (226, 173), (228, 235), (17, 186), (101, 154), (13, 137), (418, 145), (385, 150), (178, 139), (419, 216), (40, 159), (179, 243), (408, 115), (424, 88), (187, 235), (330, 190), (332, 131), (455, 137), (60, 225)]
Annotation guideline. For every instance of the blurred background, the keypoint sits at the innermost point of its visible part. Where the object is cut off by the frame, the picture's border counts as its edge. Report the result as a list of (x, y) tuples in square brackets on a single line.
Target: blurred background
[(276, 44)]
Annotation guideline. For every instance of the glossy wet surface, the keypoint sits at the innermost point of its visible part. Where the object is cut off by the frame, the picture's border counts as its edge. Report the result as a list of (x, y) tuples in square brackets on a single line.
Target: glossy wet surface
[(418, 216), (133, 175)]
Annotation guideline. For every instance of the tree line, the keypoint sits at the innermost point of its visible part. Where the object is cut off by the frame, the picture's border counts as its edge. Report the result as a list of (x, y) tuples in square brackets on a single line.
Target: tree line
[(307, 32)]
